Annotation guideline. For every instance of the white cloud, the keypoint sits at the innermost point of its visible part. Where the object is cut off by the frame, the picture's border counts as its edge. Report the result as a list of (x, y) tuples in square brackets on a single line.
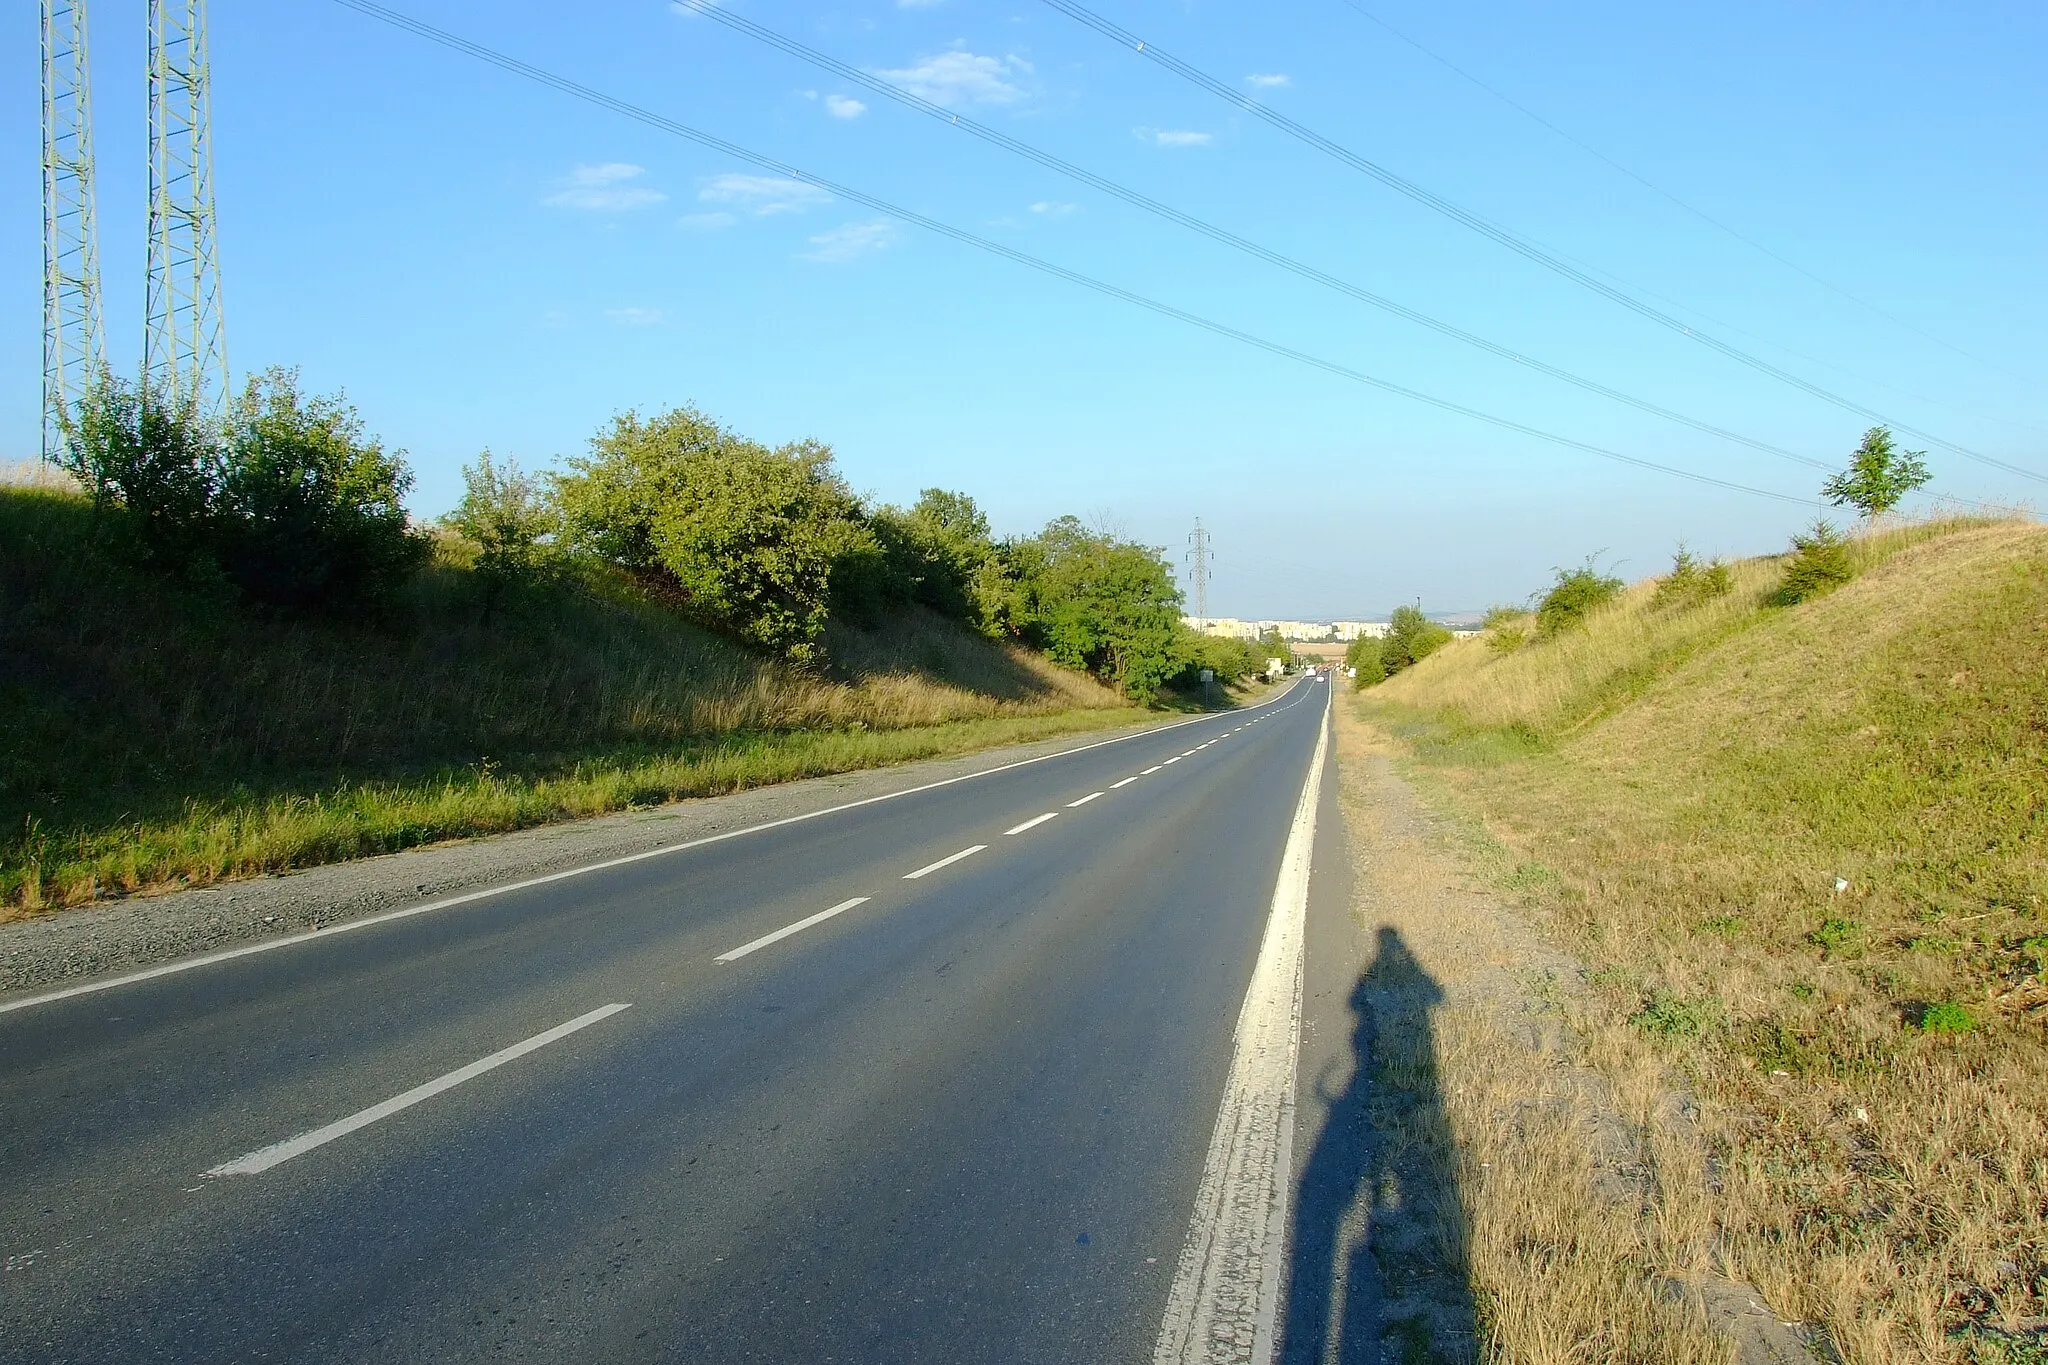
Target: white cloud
[(960, 78), (635, 317), (1275, 81), (604, 188), (1052, 209), (850, 241), (762, 195), (844, 106), (706, 222), (1174, 137)]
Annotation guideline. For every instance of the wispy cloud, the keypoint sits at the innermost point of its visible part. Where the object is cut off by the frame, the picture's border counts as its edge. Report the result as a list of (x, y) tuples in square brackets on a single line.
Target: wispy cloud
[(851, 241), (959, 78), (1173, 137), (635, 317), (762, 195), (844, 106), (605, 187), (1052, 209), (1273, 81)]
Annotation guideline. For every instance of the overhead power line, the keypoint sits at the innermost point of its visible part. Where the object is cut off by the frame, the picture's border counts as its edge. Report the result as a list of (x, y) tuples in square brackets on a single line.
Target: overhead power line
[(1668, 196), (739, 153), (1495, 232), (740, 24)]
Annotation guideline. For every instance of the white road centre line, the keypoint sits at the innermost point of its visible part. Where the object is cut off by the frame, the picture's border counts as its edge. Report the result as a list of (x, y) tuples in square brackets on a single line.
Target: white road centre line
[(1125, 783), (1034, 820), (1186, 753), (1084, 800), (263, 1158), (947, 861), (786, 930), (1224, 1303), (1177, 758), (1151, 770)]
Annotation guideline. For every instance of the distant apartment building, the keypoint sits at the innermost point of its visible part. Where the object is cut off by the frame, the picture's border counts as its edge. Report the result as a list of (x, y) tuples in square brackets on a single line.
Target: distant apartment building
[(1235, 628)]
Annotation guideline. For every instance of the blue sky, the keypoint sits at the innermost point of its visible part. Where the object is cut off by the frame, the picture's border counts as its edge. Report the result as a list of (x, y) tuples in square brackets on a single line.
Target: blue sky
[(482, 262)]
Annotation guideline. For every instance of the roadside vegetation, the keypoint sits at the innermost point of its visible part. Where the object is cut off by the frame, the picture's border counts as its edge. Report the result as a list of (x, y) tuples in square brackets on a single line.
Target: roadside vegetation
[(1791, 814), (227, 649)]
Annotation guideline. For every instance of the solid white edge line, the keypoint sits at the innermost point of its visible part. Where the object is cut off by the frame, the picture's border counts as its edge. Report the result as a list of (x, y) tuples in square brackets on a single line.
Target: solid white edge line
[(1125, 783), (263, 1158), (1224, 1303), (947, 861), (786, 930), (1034, 820), (1084, 800), (449, 902)]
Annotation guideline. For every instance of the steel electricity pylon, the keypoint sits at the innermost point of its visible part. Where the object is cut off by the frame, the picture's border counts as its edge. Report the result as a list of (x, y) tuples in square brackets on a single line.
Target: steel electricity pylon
[(73, 352), (1198, 564), (184, 345)]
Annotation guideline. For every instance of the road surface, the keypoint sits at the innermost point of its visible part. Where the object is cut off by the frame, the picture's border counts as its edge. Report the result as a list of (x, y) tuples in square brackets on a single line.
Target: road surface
[(928, 1079)]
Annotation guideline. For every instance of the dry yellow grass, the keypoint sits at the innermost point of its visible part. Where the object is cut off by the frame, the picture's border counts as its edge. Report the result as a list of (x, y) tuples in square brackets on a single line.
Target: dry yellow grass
[(1795, 846)]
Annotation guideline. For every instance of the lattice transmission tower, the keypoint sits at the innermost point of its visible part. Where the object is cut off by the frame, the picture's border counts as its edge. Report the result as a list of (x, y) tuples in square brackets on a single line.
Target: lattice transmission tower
[(73, 352), (184, 344), (1198, 564)]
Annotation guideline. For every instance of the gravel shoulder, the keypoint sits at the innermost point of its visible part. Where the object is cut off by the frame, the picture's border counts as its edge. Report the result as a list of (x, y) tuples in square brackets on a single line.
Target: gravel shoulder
[(74, 946)]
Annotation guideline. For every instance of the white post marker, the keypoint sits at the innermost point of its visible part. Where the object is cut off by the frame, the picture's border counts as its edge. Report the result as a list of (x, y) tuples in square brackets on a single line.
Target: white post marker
[(1225, 1300), (263, 1158)]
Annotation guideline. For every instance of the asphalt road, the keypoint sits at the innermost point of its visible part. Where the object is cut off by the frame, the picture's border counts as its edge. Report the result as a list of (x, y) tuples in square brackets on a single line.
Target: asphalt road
[(961, 1120)]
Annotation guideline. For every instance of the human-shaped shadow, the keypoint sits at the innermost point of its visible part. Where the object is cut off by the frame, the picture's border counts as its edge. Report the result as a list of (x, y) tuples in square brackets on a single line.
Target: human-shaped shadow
[(1377, 1267)]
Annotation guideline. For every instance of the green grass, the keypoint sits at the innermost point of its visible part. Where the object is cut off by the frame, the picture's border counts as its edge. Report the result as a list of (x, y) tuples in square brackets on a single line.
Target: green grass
[(162, 733)]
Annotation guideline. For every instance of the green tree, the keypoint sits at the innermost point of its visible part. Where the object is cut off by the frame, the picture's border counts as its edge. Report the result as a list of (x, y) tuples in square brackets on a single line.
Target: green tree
[(747, 538), (1879, 475), (311, 510), (1819, 564), (508, 516), (1092, 600), (941, 551), (1364, 658), (1411, 637)]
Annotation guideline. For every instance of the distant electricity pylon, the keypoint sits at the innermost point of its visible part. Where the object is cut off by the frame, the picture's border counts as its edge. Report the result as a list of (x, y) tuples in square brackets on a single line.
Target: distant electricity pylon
[(184, 344), (1198, 562), (73, 353)]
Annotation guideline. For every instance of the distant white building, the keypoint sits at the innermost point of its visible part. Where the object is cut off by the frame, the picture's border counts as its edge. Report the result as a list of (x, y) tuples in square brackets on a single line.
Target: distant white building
[(1237, 628)]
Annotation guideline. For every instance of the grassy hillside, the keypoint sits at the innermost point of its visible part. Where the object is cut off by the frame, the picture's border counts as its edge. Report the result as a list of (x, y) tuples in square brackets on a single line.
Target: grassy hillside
[(162, 732), (1804, 851)]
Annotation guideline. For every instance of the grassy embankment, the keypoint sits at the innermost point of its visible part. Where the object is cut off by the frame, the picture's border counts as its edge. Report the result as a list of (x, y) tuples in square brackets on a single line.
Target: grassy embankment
[(159, 735), (1804, 854)]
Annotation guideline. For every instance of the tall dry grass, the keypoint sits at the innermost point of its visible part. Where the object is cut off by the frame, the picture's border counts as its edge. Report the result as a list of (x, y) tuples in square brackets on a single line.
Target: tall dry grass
[(1805, 853)]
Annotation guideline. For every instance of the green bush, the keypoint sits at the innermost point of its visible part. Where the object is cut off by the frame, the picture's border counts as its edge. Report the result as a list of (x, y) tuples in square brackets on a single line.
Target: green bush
[(1507, 629), (1947, 1017), (1819, 564), (1837, 936), (312, 511), (1692, 582), (1573, 597), (286, 498)]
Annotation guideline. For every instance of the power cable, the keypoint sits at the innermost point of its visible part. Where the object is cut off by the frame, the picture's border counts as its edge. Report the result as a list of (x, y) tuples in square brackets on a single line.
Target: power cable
[(709, 10), (1668, 196), (739, 153), (1485, 227)]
